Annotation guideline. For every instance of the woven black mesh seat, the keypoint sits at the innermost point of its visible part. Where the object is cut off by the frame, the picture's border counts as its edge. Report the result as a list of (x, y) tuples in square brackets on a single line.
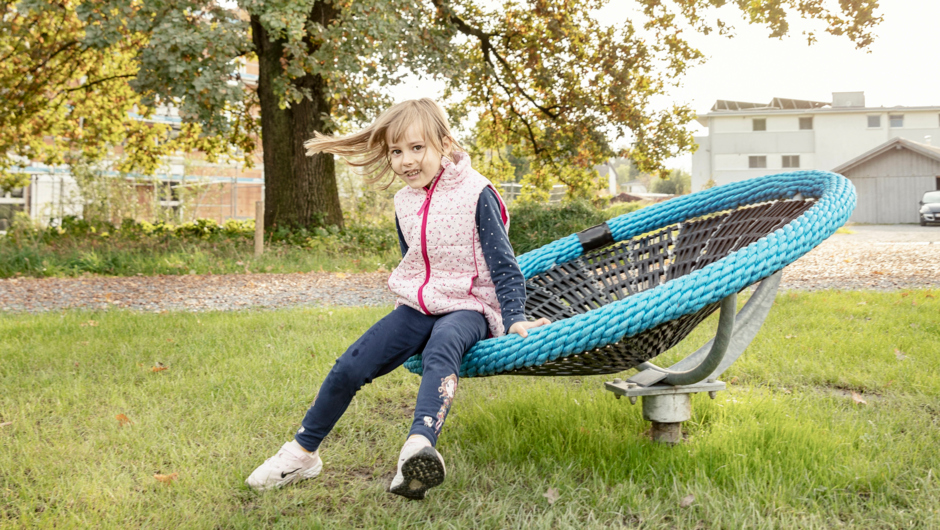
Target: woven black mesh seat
[(623, 269)]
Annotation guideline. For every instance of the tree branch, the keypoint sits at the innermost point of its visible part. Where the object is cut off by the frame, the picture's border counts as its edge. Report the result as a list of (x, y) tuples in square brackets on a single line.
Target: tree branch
[(98, 81), (487, 48)]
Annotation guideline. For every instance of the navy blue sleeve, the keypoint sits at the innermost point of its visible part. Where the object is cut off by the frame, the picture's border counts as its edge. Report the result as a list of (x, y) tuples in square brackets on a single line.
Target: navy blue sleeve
[(401, 239), (500, 258)]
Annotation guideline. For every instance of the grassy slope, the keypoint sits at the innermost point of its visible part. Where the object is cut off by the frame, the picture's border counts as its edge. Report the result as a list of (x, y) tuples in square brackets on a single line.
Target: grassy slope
[(782, 448)]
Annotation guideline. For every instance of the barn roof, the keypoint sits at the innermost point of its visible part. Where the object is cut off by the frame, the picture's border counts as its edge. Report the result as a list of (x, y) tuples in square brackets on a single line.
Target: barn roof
[(928, 151)]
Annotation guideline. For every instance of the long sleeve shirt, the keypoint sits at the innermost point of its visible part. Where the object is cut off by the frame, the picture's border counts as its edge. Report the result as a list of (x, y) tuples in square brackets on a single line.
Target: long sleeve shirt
[(499, 257)]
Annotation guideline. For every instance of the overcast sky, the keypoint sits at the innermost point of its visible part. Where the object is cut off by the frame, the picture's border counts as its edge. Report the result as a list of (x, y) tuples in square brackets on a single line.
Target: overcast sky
[(898, 69)]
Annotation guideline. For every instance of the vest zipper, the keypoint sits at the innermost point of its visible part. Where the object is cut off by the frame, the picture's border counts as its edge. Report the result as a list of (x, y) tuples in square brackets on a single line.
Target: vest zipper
[(423, 212)]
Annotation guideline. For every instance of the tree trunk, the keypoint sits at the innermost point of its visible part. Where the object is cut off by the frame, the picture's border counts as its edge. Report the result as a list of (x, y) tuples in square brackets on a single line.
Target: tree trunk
[(299, 190)]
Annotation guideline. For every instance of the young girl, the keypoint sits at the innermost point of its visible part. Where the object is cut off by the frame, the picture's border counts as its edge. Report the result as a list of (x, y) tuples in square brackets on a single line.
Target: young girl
[(458, 282)]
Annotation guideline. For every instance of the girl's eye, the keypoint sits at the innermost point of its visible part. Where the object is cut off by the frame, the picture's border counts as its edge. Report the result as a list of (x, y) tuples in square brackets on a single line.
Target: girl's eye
[(396, 152), (418, 147)]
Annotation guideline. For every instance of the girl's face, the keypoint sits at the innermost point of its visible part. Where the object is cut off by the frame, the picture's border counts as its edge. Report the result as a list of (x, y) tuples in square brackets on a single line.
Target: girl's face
[(415, 160)]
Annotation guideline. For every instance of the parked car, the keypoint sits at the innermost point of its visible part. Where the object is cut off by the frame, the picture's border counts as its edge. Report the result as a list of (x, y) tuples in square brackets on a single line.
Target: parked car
[(930, 208)]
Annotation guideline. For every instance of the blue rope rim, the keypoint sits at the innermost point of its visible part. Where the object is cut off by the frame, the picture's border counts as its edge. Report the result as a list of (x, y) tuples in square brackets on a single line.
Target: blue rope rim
[(635, 314)]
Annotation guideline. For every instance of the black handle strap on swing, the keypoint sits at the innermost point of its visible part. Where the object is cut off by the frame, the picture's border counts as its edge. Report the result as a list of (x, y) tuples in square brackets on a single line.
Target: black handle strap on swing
[(595, 237)]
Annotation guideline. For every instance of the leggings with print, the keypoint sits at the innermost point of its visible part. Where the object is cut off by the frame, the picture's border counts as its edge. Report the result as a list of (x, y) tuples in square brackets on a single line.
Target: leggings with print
[(442, 340)]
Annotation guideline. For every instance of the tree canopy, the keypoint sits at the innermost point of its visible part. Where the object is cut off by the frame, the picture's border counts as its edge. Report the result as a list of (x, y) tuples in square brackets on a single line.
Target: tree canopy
[(63, 97), (543, 76)]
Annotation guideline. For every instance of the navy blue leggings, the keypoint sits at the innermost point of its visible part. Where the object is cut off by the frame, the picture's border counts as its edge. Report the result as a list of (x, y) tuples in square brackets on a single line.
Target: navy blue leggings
[(442, 340)]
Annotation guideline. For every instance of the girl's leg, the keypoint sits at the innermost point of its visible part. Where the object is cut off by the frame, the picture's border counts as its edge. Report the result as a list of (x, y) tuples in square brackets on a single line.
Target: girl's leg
[(386, 346), (452, 335)]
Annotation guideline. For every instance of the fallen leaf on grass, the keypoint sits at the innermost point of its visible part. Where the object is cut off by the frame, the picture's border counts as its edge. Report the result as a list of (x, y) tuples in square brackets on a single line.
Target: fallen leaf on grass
[(899, 354), (83, 343), (166, 479), (928, 295), (123, 420), (857, 399), (6, 424), (790, 337), (90, 323), (552, 495), (904, 294), (158, 368), (734, 380), (863, 303), (687, 501)]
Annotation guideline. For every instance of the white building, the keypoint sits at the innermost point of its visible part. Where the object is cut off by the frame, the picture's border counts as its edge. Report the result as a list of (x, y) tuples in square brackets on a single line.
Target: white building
[(747, 140)]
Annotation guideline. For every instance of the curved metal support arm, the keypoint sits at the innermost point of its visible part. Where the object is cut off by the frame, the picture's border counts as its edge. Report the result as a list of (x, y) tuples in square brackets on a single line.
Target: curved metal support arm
[(746, 325), (729, 305)]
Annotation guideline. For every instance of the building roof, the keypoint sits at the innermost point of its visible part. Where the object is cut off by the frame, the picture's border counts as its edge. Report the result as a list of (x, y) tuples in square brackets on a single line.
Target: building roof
[(775, 104), (723, 108), (930, 151)]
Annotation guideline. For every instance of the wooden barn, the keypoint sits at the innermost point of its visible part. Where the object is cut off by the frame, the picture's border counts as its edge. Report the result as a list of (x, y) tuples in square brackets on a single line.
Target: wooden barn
[(890, 179)]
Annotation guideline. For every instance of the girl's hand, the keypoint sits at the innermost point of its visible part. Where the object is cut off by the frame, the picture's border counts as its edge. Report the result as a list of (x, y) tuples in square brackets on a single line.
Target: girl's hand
[(519, 328)]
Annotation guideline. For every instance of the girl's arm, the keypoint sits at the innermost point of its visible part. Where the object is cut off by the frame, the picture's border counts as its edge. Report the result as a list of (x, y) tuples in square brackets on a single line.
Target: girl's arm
[(401, 238), (501, 260)]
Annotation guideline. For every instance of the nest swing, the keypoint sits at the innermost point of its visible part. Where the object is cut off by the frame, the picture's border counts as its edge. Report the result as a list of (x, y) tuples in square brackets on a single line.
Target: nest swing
[(621, 293)]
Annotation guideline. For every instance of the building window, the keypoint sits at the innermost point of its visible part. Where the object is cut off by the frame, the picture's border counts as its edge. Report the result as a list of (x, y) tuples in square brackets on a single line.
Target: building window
[(760, 124), (874, 121), (896, 120), (757, 162), (791, 160), (806, 124)]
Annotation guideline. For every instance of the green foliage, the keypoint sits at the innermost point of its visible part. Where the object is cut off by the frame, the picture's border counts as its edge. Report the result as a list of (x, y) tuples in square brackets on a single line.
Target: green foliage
[(545, 77), (68, 95), (533, 224), (368, 242), (678, 182), (203, 246), (555, 83), (622, 208)]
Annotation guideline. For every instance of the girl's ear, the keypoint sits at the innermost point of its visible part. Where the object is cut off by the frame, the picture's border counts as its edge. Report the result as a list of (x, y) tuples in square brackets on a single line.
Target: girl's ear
[(448, 146)]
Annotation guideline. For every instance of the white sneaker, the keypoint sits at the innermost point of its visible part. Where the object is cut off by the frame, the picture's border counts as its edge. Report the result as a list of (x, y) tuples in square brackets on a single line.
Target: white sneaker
[(290, 464), (420, 467)]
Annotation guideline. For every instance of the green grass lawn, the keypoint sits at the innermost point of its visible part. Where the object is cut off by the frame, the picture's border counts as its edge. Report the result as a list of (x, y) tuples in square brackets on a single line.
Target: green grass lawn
[(786, 447)]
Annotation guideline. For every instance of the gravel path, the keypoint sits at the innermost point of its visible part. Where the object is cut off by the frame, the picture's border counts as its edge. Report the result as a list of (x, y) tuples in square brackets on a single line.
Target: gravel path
[(871, 258), (196, 292)]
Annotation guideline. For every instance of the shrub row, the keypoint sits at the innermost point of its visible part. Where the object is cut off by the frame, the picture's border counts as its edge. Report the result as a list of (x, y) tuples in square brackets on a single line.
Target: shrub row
[(533, 225), (80, 246), (375, 236)]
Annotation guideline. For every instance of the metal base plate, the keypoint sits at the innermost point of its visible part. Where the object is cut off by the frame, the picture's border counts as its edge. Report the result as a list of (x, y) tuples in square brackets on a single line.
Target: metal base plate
[(623, 388)]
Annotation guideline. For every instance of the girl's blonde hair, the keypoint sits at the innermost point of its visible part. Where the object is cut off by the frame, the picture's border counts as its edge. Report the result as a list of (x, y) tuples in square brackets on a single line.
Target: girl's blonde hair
[(367, 149)]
